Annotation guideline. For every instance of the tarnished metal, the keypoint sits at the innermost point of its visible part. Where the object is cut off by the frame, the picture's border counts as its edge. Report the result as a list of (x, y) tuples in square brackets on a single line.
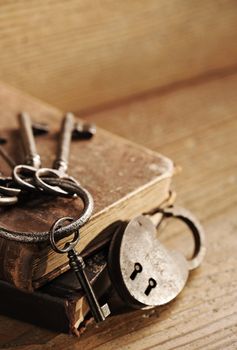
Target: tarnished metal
[(40, 128), (60, 165), (9, 191), (77, 265), (143, 271), (37, 237), (7, 200), (195, 227), (84, 131), (32, 157), (68, 245)]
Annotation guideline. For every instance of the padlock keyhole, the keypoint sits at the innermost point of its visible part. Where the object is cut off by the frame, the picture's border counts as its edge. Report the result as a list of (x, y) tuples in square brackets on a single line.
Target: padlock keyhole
[(137, 269), (151, 284)]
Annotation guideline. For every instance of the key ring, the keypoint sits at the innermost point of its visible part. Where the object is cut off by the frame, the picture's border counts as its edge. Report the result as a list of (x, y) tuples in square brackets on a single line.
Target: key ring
[(8, 200), (42, 175), (8, 195), (38, 237), (68, 245), (22, 170), (196, 229)]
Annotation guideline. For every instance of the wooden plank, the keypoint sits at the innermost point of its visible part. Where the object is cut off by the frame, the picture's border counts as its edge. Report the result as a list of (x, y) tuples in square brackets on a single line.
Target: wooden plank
[(195, 126), (201, 137), (77, 55)]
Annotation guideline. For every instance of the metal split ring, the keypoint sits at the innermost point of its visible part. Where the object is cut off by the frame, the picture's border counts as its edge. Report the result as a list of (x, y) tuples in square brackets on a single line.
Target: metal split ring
[(21, 173), (68, 245)]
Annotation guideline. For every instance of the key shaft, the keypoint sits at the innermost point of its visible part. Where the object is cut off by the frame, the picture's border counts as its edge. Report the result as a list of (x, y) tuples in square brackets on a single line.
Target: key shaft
[(62, 158), (77, 264), (32, 157)]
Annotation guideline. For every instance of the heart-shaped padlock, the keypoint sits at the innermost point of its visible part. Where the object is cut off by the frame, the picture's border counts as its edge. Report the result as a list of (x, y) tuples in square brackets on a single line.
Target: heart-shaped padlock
[(145, 273)]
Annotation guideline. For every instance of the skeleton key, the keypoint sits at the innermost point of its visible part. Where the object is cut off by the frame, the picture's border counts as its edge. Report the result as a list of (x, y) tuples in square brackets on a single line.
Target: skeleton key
[(6, 183), (145, 273), (60, 165), (77, 264), (32, 158)]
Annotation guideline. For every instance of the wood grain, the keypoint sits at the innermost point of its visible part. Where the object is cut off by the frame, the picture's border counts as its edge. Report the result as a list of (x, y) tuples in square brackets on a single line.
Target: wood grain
[(201, 137), (77, 54)]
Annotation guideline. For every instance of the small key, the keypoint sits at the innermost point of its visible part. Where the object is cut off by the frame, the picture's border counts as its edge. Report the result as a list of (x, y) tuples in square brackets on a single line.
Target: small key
[(32, 158), (60, 165), (77, 264), (145, 273)]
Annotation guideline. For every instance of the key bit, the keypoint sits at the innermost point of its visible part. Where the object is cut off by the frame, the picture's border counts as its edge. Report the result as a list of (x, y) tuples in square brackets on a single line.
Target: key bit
[(40, 129), (83, 131)]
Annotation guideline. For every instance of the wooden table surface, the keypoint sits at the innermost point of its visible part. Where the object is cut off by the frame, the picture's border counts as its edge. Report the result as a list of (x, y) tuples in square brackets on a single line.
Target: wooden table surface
[(195, 124), (81, 54)]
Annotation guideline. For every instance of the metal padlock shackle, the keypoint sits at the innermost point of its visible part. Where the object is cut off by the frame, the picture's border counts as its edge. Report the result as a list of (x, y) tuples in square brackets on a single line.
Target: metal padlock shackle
[(174, 212), (196, 229)]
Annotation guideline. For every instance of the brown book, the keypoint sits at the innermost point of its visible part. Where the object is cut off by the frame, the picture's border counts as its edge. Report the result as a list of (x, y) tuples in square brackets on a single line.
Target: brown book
[(124, 178), (60, 305)]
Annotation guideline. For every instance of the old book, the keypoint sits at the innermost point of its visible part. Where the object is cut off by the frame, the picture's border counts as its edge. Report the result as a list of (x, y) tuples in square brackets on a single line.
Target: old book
[(124, 178), (60, 305)]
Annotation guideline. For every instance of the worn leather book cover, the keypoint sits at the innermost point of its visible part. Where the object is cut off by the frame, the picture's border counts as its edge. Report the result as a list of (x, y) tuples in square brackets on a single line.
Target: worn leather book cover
[(125, 180), (61, 304)]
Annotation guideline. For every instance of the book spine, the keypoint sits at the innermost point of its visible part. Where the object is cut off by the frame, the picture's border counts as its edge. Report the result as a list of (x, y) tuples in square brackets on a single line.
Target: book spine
[(16, 262)]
